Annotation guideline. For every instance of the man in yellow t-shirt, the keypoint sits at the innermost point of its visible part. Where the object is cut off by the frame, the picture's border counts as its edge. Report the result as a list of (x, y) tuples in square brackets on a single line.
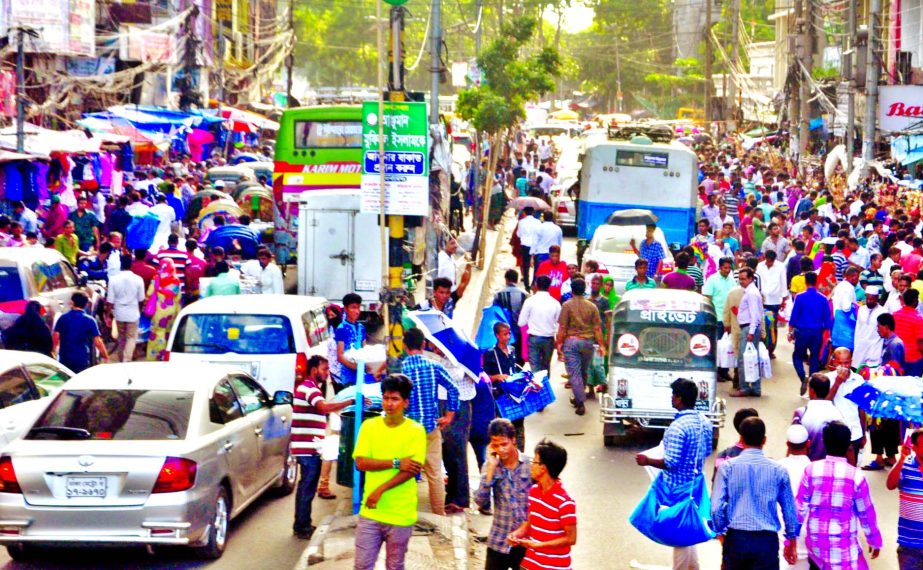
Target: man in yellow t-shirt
[(390, 450)]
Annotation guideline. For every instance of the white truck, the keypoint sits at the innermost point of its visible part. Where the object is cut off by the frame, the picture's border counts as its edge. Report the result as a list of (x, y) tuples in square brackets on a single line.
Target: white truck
[(339, 248)]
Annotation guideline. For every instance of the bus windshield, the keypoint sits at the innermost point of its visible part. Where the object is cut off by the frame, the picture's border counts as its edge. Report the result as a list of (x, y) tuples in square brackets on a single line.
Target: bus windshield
[(328, 134), (317, 148)]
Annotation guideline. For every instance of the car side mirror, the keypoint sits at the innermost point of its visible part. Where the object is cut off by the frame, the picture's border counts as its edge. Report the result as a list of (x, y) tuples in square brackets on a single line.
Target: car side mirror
[(83, 278), (282, 398)]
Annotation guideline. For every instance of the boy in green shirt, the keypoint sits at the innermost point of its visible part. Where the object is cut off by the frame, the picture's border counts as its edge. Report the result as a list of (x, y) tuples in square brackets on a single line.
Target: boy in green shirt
[(390, 450)]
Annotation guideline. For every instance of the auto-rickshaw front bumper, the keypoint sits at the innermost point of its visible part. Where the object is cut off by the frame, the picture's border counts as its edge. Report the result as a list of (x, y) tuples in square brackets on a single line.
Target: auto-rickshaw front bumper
[(655, 418)]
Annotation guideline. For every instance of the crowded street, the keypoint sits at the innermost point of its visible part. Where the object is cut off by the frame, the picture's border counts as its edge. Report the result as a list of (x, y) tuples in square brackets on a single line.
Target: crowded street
[(499, 284)]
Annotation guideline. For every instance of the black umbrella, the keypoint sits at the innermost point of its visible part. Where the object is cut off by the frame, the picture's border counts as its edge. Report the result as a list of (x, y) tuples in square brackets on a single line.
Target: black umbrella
[(633, 217)]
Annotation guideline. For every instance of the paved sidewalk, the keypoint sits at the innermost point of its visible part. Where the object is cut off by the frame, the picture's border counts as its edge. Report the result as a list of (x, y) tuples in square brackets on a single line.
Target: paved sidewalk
[(438, 542)]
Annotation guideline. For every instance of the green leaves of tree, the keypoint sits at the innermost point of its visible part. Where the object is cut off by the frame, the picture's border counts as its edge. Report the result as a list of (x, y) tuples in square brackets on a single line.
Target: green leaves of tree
[(510, 78)]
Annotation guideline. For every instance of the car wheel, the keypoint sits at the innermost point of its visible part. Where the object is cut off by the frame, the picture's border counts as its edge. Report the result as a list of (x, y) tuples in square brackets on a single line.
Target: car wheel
[(289, 476), (218, 531), (20, 552)]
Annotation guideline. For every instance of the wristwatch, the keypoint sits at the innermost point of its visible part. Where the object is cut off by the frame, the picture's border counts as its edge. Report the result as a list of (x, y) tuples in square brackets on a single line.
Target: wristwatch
[(396, 463)]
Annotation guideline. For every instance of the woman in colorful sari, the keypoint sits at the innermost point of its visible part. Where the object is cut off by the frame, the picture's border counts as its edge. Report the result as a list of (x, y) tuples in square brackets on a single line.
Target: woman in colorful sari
[(166, 289)]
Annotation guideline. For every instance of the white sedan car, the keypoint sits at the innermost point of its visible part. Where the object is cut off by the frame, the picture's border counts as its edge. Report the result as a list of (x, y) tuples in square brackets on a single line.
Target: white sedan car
[(611, 249), (26, 381), (147, 453)]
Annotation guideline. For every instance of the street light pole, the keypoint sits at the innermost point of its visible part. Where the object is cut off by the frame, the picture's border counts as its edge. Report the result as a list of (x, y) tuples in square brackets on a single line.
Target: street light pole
[(20, 91)]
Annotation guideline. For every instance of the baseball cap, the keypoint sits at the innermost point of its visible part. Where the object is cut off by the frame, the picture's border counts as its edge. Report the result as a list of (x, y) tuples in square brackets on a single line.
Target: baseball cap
[(796, 434), (869, 228), (219, 184)]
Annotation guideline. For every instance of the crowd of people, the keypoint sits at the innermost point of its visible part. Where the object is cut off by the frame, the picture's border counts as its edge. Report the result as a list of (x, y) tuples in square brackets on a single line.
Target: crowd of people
[(836, 270), (146, 286)]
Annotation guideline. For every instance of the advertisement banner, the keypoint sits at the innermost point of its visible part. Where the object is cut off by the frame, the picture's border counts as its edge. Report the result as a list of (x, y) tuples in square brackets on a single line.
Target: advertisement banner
[(406, 159), (50, 18), (900, 108), (90, 66), (82, 28), (136, 44)]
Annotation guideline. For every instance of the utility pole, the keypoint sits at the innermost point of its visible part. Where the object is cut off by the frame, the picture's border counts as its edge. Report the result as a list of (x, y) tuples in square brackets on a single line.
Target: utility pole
[(735, 41), (872, 72), (618, 78), (794, 99), (290, 58), (850, 73), (807, 62), (708, 55), (20, 91), (476, 159), (435, 53)]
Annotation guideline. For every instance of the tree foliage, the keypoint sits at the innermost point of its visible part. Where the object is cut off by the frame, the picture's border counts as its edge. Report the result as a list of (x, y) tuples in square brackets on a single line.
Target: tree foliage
[(510, 78)]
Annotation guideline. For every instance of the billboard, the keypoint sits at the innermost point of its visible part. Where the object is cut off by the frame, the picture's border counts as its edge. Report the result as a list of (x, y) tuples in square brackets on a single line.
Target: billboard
[(900, 108)]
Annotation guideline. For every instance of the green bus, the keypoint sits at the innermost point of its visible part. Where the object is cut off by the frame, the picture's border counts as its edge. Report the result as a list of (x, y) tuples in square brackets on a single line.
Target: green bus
[(316, 148)]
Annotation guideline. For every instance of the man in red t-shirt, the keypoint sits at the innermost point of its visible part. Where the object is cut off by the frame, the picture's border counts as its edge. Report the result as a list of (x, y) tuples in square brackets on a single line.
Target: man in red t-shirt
[(910, 262), (555, 269), (551, 525), (309, 422), (908, 325)]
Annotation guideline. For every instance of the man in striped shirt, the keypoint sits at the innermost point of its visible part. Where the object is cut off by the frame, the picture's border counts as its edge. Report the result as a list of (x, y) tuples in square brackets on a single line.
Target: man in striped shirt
[(551, 525), (907, 478), (309, 424), (180, 258)]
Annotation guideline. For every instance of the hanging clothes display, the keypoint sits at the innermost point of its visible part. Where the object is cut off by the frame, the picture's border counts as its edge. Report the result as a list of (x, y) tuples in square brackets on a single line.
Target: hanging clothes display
[(14, 180)]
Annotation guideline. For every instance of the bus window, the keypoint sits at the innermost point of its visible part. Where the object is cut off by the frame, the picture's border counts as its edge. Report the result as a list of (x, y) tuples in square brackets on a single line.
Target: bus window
[(328, 134), (642, 158)]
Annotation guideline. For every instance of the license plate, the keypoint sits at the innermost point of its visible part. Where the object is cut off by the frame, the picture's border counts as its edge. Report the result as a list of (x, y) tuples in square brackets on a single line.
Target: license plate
[(623, 403), (86, 487)]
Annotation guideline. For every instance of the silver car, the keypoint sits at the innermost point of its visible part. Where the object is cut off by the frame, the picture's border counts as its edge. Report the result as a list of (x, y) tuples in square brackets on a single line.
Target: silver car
[(145, 453)]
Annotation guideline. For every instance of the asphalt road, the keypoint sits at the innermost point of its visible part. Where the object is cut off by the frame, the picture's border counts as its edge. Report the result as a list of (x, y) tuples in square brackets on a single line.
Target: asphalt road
[(607, 484)]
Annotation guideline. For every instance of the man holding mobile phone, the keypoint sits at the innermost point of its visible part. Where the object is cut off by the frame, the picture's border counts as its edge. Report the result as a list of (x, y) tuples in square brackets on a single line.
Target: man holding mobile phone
[(507, 478)]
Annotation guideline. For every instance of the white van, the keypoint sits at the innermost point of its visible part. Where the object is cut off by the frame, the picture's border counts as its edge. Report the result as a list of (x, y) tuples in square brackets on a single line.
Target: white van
[(269, 336), (339, 248)]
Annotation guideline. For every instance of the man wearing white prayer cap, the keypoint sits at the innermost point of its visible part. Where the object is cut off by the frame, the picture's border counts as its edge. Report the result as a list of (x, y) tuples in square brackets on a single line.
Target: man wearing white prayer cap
[(867, 351)]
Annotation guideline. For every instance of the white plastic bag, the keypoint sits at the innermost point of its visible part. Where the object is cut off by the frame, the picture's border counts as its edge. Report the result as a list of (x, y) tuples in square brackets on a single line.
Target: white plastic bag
[(725, 352), (751, 364), (765, 361)]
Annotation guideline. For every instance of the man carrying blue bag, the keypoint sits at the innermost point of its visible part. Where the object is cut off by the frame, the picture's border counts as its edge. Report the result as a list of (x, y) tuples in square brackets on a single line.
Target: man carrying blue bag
[(676, 510)]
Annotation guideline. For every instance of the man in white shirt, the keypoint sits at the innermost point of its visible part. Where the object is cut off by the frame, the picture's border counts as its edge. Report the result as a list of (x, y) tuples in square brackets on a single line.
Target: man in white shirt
[(527, 230), (867, 339), (167, 216), (124, 297), (445, 262), (795, 463), (266, 273), (548, 234), (773, 286), (842, 382), (818, 412), (540, 313), (844, 294)]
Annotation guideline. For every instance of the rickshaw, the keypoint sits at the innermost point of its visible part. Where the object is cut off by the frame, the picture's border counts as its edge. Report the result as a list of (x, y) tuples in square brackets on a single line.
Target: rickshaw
[(201, 200), (656, 337)]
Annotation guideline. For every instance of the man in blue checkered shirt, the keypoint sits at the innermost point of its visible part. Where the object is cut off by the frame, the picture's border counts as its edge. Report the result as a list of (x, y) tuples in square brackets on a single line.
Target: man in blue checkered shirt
[(651, 250), (686, 443), (427, 377)]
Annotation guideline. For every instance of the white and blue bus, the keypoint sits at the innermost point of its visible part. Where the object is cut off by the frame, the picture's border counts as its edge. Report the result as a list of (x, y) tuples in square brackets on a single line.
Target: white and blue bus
[(639, 173)]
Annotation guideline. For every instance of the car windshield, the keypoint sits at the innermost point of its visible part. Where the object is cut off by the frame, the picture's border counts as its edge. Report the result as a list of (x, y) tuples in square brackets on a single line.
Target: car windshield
[(240, 334), (115, 415), (10, 285), (618, 241)]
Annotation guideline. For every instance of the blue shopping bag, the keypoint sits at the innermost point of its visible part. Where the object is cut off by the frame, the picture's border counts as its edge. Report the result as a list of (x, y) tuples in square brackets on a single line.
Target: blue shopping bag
[(679, 516), (843, 333)]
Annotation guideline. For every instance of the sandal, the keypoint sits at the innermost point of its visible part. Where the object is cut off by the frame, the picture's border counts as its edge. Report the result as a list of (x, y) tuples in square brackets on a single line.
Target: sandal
[(873, 466)]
